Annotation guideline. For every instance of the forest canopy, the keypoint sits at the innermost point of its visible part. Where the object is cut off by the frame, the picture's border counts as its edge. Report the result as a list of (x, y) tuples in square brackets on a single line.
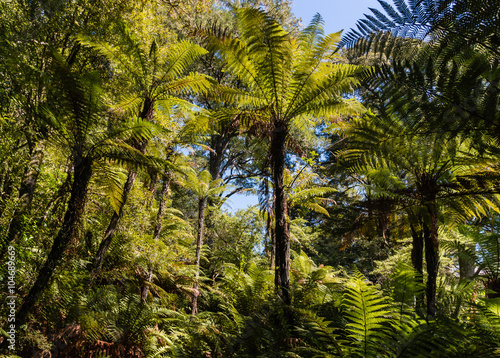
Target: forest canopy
[(129, 128)]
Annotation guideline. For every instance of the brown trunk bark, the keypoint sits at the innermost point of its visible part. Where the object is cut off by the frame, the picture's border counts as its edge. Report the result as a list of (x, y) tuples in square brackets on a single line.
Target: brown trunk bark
[(282, 234), (417, 260), (219, 145), (146, 113), (431, 257), (272, 261), (202, 205), (108, 236), (267, 238), (492, 286), (76, 204), (148, 199), (158, 225)]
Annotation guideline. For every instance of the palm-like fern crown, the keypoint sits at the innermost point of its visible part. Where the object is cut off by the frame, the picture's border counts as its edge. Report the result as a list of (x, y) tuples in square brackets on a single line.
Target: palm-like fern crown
[(444, 52), (419, 166), (288, 78), (203, 185), (81, 123), (462, 22), (155, 74)]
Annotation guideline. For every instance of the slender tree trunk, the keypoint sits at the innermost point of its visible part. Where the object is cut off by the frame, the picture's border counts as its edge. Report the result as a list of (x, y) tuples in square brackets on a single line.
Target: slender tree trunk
[(417, 260), (272, 260), (108, 236), (158, 226), (148, 199), (431, 258), (202, 205), (146, 113), (76, 204), (267, 238), (282, 234), (219, 145), (26, 192)]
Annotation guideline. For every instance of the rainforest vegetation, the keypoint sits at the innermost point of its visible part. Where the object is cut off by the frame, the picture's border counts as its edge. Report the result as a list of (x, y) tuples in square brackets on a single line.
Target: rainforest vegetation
[(129, 131)]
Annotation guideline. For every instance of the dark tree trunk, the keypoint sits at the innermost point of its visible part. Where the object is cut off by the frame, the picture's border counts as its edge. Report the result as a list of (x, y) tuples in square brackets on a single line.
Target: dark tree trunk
[(158, 226), (417, 260), (431, 257), (492, 285), (282, 234), (162, 205), (202, 205), (219, 145), (108, 236), (146, 113), (148, 199), (26, 192), (268, 241), (417, 250), (76, 204), (272, 260)]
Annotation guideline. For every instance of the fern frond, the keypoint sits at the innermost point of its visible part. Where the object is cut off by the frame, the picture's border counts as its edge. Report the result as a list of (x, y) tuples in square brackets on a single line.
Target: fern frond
[(369, 316)]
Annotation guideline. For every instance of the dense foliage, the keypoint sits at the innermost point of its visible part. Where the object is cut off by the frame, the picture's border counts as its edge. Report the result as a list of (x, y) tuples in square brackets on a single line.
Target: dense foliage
[(128, 129)]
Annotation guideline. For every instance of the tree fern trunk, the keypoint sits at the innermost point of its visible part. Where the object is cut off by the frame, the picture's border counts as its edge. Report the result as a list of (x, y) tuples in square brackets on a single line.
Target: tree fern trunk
[(108, 236), (492, 286), (431, 258), (146, 113), (219, 144), (282, 234), (417, 260), (158, 225), (76, 204), (202, 205), (272, 261)]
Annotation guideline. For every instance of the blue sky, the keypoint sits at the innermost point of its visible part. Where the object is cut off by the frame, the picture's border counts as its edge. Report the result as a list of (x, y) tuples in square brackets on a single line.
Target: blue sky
[(338, 15)]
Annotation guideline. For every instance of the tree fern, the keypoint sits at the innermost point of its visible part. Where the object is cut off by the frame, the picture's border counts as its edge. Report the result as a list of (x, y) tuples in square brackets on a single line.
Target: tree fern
[(287, 81)]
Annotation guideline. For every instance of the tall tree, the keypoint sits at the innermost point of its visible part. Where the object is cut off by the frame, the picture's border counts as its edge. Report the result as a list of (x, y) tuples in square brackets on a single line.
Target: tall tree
[(74, 123), (289, 80), (31, 30), (445, 49), (424, 175), (204, 188), (156, 81)]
